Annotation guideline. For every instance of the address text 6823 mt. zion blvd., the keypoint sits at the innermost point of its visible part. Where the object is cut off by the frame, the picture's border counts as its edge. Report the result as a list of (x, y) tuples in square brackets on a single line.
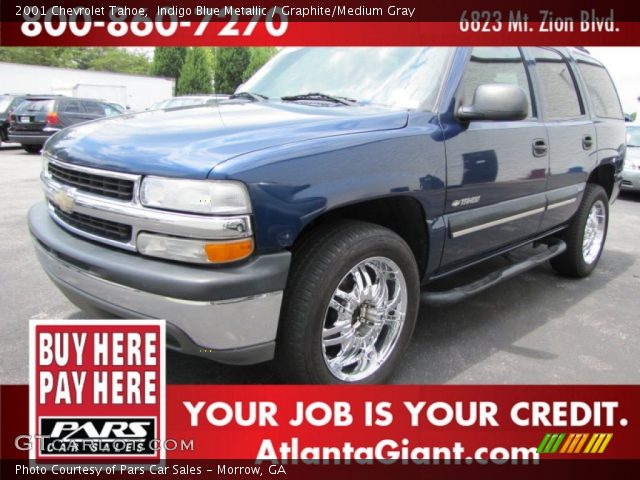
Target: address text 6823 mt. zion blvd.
[(590, 20)]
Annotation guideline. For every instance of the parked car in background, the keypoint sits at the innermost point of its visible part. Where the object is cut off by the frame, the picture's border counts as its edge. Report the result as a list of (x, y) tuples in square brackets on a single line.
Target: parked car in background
[(187, 101), (8, 102), (631, 172), (39, 117)]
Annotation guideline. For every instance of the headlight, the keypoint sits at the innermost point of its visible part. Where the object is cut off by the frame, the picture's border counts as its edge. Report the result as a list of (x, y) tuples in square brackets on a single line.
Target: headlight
[(632, 164), (192, 250), (195, 196)]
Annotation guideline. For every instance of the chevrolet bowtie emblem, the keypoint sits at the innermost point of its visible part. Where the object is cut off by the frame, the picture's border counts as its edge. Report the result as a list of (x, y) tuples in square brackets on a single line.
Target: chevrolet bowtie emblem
[(64, 200)]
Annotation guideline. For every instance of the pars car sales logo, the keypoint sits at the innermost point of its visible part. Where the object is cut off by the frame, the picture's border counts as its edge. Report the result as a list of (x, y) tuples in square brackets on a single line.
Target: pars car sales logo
[(97, 389)]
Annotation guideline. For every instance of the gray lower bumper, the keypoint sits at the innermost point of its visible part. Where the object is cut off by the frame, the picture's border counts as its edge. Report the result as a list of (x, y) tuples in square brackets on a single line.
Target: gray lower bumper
[(631, 180), (26, 139), (237, 330)]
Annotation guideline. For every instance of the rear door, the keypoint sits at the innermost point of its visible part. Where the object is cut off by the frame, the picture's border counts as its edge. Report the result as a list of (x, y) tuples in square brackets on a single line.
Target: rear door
[(71, 111), (605, 109), (572, 136), (496, 170), (94, 109)]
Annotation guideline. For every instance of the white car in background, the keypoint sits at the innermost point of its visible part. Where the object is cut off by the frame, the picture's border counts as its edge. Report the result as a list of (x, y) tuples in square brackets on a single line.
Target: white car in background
[(631, 172)]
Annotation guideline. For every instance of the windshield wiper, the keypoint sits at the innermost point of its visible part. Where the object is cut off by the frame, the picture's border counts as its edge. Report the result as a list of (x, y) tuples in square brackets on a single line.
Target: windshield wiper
[(321, 97), (254, 97)]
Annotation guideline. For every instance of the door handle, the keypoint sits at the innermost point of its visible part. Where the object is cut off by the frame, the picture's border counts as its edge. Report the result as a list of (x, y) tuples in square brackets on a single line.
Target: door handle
[(540, 147), (587, 142)]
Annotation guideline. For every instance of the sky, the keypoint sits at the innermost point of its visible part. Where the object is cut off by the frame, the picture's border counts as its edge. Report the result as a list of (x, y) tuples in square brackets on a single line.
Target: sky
[(623, 64)]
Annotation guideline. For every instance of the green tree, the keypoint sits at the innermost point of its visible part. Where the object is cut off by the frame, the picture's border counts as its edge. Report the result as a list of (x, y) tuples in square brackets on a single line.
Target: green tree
[(97, 58), (258, 56), (50, 56), (168, 61), (122, 61), (82, 58), (230, 65), (196, 73)]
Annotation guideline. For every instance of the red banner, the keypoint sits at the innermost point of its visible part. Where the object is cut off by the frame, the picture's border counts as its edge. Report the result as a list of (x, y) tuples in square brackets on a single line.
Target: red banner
[(399, 424), (372, 23)]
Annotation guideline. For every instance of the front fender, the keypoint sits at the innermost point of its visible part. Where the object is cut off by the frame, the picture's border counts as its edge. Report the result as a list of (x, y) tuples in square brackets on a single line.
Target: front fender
[(293, 184)]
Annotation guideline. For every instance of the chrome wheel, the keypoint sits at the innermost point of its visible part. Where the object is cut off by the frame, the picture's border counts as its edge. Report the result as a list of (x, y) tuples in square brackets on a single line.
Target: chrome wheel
[(364, 319), (594, 231)]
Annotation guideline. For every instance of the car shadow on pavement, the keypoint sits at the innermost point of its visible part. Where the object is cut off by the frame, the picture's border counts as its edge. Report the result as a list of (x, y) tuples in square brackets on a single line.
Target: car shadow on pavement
[(453, 339), (632, 196)]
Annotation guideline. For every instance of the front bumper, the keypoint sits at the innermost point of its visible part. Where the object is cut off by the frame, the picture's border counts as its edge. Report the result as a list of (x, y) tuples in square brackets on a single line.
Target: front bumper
[(631, 180), (227, 314)]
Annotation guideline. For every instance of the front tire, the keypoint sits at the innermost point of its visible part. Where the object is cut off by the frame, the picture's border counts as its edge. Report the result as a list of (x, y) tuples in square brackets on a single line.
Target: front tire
[(585, 235), (32, 148), (350, 305)]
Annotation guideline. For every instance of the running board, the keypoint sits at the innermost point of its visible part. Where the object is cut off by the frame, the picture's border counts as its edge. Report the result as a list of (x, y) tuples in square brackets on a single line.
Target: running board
[(448, 297)]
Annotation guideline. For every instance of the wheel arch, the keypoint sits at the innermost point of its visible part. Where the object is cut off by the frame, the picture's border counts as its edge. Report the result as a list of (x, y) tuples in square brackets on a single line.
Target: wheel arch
[(604, 175), (402, 214)]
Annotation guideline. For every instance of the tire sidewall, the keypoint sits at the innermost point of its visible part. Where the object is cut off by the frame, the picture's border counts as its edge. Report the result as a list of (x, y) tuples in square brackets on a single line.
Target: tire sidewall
[(593, 195), (376, 246)]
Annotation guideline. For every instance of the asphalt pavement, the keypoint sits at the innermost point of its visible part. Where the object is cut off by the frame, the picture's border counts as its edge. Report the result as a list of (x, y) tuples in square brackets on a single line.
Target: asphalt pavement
[(538, 328)]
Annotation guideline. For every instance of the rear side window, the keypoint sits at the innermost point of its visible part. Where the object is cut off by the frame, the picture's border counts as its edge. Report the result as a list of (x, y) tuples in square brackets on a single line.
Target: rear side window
[(559, 94), (94, 108), (496, 65), (36, 106), (602, 92), (72, 106)]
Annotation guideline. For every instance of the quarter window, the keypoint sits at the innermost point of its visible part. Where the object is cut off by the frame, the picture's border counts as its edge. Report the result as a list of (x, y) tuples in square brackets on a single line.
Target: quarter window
[(559, 94), (602, 92), (496, 65)]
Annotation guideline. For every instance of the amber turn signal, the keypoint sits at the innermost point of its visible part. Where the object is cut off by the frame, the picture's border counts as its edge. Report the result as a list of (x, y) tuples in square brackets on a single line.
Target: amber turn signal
[(222, 252)]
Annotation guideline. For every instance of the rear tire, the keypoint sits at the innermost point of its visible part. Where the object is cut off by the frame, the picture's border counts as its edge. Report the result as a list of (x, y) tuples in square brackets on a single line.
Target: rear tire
[(32, 148), (585, 236), (350, 305)]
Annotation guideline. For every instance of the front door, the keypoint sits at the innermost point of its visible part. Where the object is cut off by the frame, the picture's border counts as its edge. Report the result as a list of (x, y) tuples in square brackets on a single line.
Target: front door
[(496, 170)]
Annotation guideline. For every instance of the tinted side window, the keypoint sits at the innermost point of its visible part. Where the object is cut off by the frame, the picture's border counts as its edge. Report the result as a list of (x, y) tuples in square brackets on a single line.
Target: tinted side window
[(559, 94), (496, 65), (94, 108), (72, 106), (601, 90)]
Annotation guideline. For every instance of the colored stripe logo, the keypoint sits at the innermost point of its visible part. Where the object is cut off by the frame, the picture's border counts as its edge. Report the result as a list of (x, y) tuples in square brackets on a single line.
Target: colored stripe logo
[(592, 443)]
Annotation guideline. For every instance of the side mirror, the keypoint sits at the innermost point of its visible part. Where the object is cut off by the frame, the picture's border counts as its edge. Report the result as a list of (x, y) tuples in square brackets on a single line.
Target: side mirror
[(496, 101)]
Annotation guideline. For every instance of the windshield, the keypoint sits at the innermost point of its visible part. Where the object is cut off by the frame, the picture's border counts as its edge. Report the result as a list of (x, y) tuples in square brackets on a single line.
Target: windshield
[(633, 136), (398, 77)]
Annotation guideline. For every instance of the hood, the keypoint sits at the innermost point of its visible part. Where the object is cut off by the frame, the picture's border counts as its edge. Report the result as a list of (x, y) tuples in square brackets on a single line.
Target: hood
[(190, 142)]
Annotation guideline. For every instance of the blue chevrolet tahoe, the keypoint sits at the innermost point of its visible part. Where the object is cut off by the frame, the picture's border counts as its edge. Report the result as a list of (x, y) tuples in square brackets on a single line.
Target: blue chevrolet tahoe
[(305, 218)]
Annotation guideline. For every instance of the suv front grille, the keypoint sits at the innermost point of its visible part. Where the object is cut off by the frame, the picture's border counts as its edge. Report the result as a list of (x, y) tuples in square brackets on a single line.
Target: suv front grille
[(95, 226), (120, 189)]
